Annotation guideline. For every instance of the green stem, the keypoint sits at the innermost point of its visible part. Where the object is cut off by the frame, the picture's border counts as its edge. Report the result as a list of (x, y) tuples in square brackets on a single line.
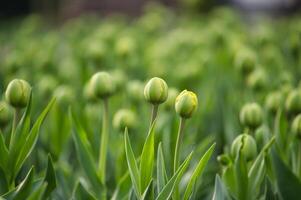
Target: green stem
[(178, 143), (154, 114), (104, 141)]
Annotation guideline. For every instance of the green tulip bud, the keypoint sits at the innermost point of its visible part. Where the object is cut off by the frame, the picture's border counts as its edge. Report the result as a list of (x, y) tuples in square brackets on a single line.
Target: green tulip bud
[(156, 91), (273, 102), (251, 115), (257, 80), (186, 103), (224, 159), (125, 46), (296, 126), (124, 118), (245, 61), (134, 90), (18, 93), (171, 99), (47, 85), (249, 148), (102, 85), (89, 93), (5, 113), (64, 95), (293, 102)]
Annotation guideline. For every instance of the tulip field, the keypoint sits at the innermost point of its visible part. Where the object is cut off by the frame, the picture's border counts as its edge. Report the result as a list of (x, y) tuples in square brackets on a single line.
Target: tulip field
[(162, 106)]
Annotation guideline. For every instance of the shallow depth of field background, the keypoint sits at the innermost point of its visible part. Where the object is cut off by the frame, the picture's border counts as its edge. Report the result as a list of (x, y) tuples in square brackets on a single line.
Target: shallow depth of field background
[(192, 44)]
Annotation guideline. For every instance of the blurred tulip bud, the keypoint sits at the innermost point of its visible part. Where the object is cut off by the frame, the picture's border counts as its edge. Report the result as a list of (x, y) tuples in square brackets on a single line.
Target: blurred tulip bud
[(293, 102), (102, 85), (5, 114), (119, 79), (273, 102), (245, 61), (224, 160), (64, 95), (156, 91), (251, 115), (186, 103), (257, 80), (134, 90), (125, 46), (296, 126), (47, 85), (171, 99), (124, 118), (17, 93), (246, 144)]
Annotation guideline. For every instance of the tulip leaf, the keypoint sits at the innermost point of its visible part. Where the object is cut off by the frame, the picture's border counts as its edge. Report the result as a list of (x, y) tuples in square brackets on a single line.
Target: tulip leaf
[(3, 153), (220, 191), (81, 193), (161, 171), (3, 182), (147, 159), (84, 152), (38, 193), (198, 171), (132, 164), (149, 192), (241, 174), (288, 184), (169, 188), (24, 189), (50, 178), (32, 137)]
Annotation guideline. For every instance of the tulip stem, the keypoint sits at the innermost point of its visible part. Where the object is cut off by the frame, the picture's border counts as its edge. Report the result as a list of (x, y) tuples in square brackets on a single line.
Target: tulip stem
[(104, 141), (154, 114), (178, 143)]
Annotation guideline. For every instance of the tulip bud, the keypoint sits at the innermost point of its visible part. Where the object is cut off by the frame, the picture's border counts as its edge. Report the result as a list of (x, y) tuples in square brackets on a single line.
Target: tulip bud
[(246, 144), (296, 126), (64, 95), (251, 115), (102, 85), (156, 91), (17, 93), (186, 103), (245, 61), (124, 118), (257, 80), (293, 102), (5, 113), (273, 102), (134, 90), (224, 159), (171, 99)]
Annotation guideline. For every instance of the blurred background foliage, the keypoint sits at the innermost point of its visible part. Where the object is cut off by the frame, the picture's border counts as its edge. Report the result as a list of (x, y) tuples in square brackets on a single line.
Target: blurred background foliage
[(226, 59)]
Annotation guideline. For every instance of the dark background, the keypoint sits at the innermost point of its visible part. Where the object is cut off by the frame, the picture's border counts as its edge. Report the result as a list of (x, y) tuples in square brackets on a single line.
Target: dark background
[(71, 8)]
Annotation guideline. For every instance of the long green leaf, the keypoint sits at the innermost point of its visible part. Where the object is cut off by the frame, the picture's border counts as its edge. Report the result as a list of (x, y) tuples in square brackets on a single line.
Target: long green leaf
[(161, 171), (84, 152), (32, 137), (147, 159), (220, 191), (81, 193), (132, 164), (3, 153), (50, 178), (198, 171), (24, 188), (241, 174), (39, 193), (169, 188), (289, 185)]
